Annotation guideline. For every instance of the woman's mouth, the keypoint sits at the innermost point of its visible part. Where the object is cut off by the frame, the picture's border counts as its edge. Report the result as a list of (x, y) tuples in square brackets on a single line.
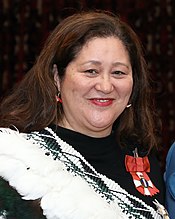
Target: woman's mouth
[(102, 101)]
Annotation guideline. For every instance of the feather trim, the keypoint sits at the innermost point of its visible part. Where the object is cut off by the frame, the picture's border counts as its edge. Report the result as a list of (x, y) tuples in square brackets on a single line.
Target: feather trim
[(36, 176)]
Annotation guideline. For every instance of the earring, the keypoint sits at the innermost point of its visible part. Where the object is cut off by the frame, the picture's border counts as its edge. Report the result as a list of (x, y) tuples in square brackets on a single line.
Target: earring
[(58, 97), (129, 105)]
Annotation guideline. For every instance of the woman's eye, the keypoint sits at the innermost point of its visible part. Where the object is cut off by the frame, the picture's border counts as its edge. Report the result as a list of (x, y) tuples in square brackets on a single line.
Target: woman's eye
[(118, 73), (91, 71)]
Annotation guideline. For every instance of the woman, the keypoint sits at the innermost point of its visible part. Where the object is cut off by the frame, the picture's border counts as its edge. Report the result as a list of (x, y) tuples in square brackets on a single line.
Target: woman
[(77, 130)]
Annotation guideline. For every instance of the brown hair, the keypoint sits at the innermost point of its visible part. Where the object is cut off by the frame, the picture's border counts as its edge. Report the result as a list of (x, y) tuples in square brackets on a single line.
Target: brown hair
[(32, 105)]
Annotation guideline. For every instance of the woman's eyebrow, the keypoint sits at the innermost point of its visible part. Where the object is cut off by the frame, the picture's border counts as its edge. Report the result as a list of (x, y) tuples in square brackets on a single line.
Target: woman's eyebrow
[(121, 63)]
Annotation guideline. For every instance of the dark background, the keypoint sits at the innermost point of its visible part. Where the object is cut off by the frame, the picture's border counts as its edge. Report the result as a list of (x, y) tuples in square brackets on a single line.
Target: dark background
[(25, 24)]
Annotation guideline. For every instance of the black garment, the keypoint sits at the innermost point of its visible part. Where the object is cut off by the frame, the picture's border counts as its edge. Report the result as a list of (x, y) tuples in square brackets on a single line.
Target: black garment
[(109, 159)]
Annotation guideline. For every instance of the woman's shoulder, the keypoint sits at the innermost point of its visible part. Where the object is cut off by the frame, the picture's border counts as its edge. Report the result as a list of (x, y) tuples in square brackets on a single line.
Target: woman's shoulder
[(15, 149), (11, 139), (13, 135), (10, 132)]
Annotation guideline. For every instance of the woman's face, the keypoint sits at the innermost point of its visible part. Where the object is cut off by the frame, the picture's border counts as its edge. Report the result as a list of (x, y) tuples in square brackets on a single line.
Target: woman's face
[(96, 87)]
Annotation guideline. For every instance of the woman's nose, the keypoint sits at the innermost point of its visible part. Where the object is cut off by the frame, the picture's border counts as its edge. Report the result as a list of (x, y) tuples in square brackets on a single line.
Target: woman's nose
[(104, 84)]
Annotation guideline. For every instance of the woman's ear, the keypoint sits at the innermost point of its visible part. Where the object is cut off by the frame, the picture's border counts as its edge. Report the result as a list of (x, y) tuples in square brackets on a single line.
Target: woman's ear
[(56, 76)]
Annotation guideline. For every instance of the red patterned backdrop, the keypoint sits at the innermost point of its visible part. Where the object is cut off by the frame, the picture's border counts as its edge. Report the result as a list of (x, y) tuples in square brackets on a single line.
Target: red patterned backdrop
[(25, 24)]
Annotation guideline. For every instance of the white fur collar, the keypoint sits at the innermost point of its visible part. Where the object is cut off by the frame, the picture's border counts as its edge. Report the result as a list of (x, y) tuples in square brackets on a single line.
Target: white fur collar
[(36, 176)]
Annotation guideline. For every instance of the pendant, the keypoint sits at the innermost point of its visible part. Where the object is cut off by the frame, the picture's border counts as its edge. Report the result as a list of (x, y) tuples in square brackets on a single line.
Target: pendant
[(138, 166), (143, 183)]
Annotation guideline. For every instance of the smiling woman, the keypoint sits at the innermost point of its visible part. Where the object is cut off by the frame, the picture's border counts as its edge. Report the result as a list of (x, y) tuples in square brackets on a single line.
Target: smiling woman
[(81, 124), (96, 87)]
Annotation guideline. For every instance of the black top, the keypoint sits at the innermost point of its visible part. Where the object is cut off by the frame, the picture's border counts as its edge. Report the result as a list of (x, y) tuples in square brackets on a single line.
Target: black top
[(109, 159)]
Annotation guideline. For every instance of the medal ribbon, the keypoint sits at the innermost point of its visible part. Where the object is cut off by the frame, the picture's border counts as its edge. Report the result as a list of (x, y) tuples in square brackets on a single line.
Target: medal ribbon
[(138, 166)]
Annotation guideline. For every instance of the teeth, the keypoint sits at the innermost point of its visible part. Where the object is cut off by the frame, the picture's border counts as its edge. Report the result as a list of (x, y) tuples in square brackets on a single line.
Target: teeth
[(102, 101)]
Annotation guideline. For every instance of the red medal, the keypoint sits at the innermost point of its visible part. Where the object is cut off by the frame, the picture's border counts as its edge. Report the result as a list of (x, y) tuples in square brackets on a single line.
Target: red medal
[(138, 166)]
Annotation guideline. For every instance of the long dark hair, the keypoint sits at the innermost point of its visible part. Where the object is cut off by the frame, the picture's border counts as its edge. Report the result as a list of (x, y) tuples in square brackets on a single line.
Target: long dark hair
[(32, 104)]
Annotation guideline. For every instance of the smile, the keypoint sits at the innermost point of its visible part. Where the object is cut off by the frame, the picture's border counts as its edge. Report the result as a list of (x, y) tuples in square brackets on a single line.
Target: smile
[(102, 102)]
